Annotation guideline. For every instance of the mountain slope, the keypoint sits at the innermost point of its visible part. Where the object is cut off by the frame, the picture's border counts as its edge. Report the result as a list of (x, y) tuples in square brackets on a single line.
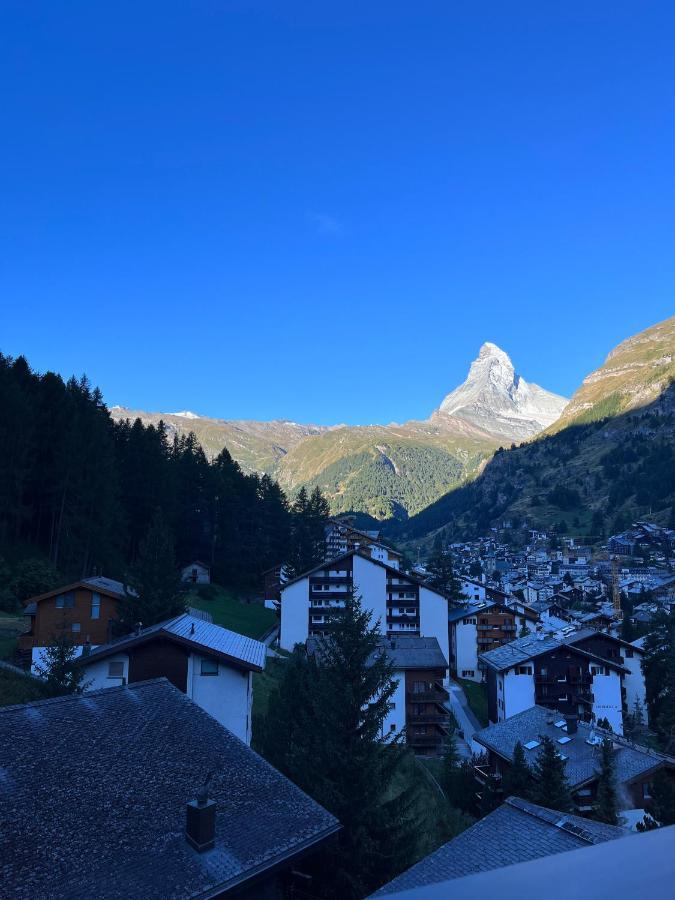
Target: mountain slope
[(386, 470), (609, 460)]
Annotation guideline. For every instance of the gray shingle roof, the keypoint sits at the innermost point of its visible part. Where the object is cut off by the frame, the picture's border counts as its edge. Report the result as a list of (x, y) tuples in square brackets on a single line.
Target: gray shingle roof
[(517, 831), (202, 635), (531, 646), (95, 788), (404, 652), (583, 759)]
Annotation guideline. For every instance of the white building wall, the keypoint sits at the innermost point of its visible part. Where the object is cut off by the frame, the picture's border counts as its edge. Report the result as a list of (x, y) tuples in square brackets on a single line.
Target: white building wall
[(96, 676), (226, 696), (370, 583), (396, 716), (518, 693), (466, 652), (607, 699), (294, 614), (434, 619), (635, 682)]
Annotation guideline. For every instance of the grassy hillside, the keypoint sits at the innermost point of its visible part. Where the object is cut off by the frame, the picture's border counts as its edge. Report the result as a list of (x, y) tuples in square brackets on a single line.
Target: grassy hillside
[(592, 479), (233, 612), (391, 471)]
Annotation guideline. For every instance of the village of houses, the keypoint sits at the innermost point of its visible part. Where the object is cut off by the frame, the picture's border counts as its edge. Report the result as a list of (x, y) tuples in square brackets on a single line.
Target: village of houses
[(540, 632)]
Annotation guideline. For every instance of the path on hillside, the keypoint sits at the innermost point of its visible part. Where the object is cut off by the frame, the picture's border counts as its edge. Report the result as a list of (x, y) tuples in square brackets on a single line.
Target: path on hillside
[(466, 720)]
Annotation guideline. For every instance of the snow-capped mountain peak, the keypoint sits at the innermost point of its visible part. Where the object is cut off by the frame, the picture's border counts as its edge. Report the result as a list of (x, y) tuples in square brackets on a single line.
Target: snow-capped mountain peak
[(497, 400)]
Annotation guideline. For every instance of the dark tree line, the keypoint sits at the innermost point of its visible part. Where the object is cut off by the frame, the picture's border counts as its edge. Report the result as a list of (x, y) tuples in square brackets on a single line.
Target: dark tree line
[(80, 491)]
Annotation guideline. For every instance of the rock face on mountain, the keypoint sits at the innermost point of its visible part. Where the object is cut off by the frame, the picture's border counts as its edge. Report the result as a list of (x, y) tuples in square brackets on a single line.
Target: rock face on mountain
[(497, 400), (385, 470)]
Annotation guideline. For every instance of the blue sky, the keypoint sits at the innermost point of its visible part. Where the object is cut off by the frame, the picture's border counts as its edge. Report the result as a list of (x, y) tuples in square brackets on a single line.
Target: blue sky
[(319, 211)]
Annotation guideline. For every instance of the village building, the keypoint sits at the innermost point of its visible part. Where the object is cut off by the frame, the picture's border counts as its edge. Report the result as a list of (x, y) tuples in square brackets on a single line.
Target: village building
[(579, 745), (86, 609), (517, 831), (477, 628), (342, 537), (402, 604), (549, 671), (213, 666), (137, 792), (196, 573)]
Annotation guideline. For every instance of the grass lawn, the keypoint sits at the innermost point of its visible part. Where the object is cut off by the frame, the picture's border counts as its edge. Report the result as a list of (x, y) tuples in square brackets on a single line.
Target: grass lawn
[(16, 688), (227, 610), (11, 626), (476, 695)]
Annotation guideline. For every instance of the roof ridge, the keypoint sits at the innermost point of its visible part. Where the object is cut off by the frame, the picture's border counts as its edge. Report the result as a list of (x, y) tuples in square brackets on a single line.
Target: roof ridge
[(84, 695)]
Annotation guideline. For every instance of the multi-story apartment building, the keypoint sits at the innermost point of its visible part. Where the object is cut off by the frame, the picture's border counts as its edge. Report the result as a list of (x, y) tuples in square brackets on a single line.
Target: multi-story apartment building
[(417, 710), (401, 603), (481, 627), (544, 670), (341, 537)]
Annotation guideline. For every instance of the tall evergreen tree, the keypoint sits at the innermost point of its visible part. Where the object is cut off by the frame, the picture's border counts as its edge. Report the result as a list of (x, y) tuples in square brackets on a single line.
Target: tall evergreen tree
[(551, 787), (309, 518), (153, 589), (605, 806), (324, 730), (517, 780), (441, 571)]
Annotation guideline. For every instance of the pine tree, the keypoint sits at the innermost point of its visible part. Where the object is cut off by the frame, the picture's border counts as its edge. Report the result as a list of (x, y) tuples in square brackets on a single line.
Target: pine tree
[(605, 806), (324, 730), (441, 571), (309, 520), (551, 787), (153, 589), (57, 665), (517, 781)]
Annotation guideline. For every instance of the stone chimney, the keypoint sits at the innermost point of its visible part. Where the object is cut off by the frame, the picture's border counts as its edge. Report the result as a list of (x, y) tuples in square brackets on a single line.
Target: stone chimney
[(571, 724), (200, 826)]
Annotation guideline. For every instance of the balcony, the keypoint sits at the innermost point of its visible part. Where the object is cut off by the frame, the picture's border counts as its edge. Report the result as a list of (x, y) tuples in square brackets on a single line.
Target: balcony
[(483, 772), (431, 718), (436, 694), (431, 741)]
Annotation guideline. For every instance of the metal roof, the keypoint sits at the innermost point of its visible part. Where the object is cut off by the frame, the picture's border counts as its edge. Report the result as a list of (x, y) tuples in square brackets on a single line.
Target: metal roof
[(199, 634)]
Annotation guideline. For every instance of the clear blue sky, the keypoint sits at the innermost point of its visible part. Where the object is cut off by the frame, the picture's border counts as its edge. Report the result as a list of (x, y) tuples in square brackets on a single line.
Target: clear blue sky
[(320, 210)]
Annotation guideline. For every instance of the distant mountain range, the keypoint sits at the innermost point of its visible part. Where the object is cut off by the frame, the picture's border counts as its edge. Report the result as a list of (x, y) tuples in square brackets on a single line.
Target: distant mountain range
[(607, 460), (385, 470)]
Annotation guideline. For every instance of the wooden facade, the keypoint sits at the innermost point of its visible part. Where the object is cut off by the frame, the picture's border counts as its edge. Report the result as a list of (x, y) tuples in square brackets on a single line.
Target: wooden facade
[(84, 610), (427, 719)]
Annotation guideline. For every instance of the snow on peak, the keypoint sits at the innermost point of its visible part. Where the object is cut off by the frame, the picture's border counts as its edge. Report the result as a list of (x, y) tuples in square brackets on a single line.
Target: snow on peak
[(495, 398), (185, 414)]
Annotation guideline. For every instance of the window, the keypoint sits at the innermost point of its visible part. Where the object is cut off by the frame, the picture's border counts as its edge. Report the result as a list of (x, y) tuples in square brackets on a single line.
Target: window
[(65, 601), (629, 653), (209, 667), (468, 673), (530, 745), (646, 790), (95, 606), (392, 728), (115, 669), (523, 670), (75, 627)]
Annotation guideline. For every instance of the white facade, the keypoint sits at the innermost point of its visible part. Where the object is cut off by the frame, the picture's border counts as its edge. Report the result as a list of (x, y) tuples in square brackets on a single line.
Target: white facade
[(465, 648), (472, 590), (226, 696), (397, 602), (607, 697), (395, 721), (196, 573), (635, 682), (515, 691)]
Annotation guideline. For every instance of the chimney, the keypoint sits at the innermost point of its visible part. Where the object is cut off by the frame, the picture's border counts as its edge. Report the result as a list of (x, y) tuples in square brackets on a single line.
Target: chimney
[(571, 724), (200, 825)]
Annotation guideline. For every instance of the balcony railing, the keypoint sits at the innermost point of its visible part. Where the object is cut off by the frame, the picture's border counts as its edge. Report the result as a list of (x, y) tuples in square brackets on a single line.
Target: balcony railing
[(484, 772), (429, 719), (436, 694)]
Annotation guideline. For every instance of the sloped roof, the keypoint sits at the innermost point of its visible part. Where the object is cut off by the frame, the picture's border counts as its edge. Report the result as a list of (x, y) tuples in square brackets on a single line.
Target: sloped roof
[(517, 831), (95, 787), (404, 652), (196, 633), (532, 645), (583, 759)]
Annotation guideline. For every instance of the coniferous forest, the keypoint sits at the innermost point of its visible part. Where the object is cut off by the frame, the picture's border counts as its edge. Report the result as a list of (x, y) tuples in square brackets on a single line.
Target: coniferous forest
[(78, 493)]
